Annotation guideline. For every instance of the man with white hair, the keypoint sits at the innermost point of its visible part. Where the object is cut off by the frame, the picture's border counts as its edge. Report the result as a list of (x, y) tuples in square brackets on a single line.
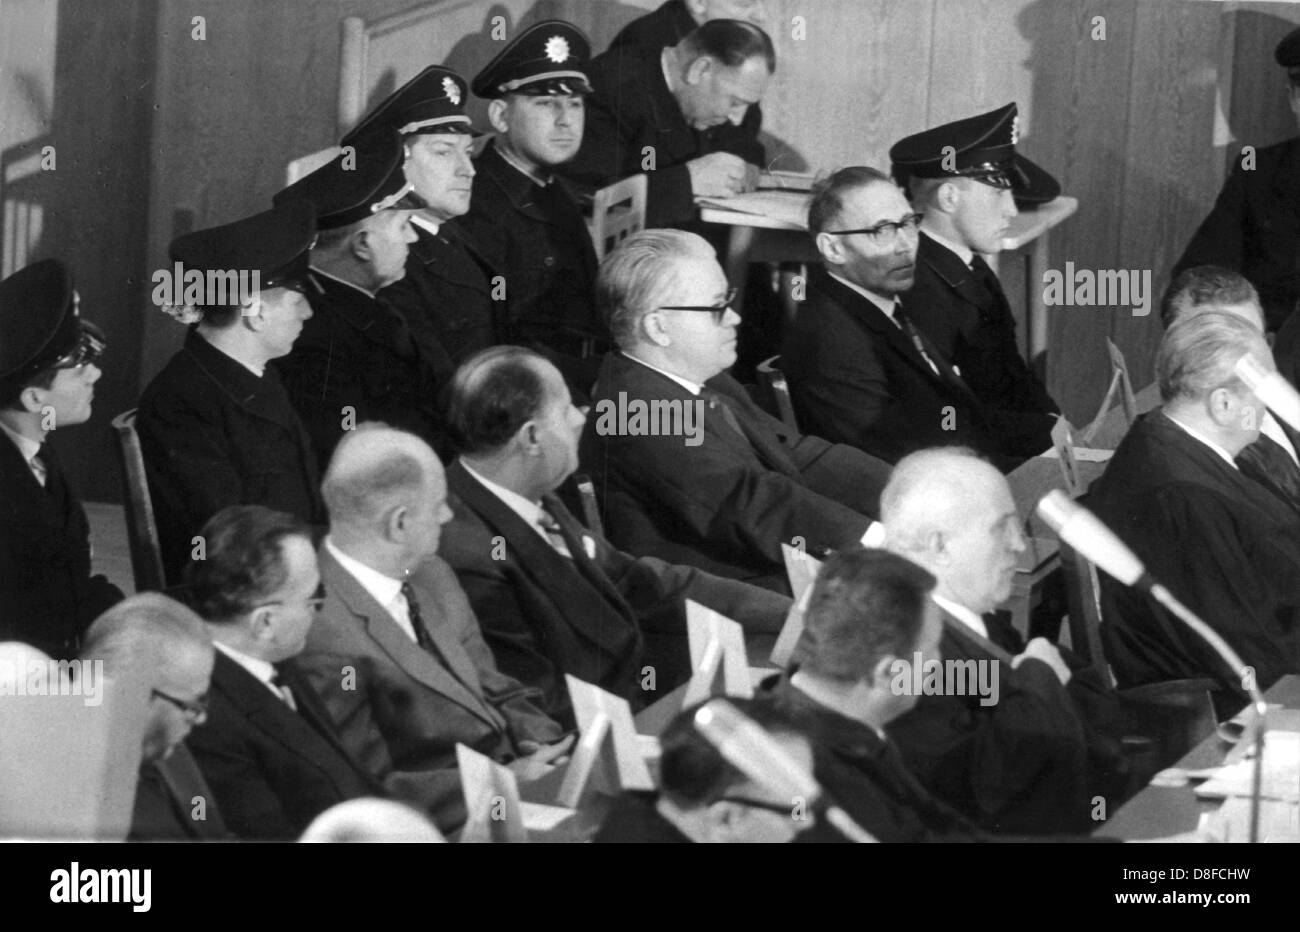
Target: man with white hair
[(1013, 758), (396, 651), (1223, 544), (725, 495)]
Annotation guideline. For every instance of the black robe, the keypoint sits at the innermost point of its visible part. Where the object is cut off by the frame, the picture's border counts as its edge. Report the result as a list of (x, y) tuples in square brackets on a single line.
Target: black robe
[(1220, 542)]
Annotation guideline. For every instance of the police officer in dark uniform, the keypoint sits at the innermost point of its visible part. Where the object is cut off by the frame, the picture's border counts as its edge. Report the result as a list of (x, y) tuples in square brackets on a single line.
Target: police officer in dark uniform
[(523, 217), (451, 296), (966, 179), (48, 371), (357, 359), (1254, 227), (216, 425)]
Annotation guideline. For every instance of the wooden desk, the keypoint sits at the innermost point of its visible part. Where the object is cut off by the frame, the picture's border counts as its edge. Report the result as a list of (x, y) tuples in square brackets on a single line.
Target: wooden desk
[(1160, 811), (761, 238)]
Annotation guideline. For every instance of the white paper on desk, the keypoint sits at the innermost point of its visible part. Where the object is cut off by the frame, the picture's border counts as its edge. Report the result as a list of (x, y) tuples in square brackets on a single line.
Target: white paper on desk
[(1281, 777), (789, 207), (786, 181), (540, 818), (1082, 454)]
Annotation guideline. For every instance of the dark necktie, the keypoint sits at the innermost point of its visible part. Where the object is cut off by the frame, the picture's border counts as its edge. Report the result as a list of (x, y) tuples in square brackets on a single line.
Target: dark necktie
[(55, 486), (1268, 463), (417, 623), (554, 534), (924, 348), (718, 403), (284, 689)]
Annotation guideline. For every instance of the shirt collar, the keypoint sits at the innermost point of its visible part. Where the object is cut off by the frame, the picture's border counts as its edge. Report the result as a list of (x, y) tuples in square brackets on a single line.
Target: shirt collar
[(885, 304), (261, 669), (383, 589), (962, 614), (424, 223), (342, 281), (531, 512), (964, 253), (1197, 435), (693, 387), (26, 445), (828, 700)]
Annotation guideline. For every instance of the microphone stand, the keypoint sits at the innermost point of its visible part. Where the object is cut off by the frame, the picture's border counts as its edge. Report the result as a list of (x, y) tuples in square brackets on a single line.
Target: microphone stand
[(1166, 598)]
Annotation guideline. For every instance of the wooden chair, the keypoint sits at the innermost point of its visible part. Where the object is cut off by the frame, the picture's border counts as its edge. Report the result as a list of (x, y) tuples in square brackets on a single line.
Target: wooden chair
[(774, 392), (142, 532), (617, 211)]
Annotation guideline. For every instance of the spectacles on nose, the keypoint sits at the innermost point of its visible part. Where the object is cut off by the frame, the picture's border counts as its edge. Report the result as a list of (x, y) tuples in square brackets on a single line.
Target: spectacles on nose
[(316, 601), (719, 311), (882, 234), (195, 711)]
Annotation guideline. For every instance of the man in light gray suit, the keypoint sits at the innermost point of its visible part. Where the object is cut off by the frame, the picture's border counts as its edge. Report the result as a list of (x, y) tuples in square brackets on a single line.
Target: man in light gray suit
[(396, 652)]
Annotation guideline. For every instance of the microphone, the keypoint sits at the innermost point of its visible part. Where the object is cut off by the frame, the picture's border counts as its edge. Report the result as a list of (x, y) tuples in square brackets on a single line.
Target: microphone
[(1097, 544), (1272, 388), (758, 755)]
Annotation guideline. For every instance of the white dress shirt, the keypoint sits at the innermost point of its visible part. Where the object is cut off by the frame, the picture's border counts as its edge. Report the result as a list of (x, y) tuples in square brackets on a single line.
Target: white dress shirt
[(532, 513), (262, 671), (693, 387), (28, 449), (964, 253), (383, 589), (1201, 438), (424, 223), (962, 614), (887, 307)]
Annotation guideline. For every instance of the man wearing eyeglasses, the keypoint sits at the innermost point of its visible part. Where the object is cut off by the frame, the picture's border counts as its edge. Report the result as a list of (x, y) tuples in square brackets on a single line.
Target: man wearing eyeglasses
[(48, 371), (268, 746), (861, 372), (968, 202), (751, 483)]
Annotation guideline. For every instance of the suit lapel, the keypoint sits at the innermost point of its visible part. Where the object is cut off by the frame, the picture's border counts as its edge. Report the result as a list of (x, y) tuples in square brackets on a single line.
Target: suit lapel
[(954, 273), (870, 317), (394, 642)]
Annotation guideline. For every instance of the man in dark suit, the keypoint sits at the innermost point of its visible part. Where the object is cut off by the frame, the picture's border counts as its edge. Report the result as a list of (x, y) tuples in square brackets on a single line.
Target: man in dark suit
[(652, 110), (451, 296), (1254, 227), (356, 358), (156, 646), (48, 596), (268, 747), (688, 468), (956, 299), (860, 371), (555, 598), (396, 652), (1013, 754), (1223, 544), (522, 216), (1272, 459), (671, 23), (216, 425)]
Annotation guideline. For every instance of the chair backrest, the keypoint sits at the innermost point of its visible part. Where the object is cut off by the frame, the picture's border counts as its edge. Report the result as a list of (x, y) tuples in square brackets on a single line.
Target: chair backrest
[(1083, 596), (617, 211), (590, 507), (141, 530), (774, 392)]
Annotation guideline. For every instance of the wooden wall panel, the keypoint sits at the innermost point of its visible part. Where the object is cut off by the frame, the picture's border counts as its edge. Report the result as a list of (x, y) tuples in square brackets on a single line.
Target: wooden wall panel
[(1169, 178)]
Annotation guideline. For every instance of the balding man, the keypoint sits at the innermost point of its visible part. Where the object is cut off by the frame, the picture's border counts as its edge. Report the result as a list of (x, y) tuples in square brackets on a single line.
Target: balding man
[(556, 598), (1271, 459), (1223, 544), (396, 651), (690, 469), (652, 111), (159, 646), (1013, 757)]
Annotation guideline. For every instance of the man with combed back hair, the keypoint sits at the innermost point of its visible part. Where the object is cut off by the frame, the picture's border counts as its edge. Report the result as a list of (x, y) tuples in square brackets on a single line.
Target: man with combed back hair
[(1224, 544), (724, 495), (552, 596), (396, 652)]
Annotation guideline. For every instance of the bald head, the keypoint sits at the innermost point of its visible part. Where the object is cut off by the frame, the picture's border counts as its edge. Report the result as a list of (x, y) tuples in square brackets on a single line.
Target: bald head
[(952, 512), (387, 498)]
